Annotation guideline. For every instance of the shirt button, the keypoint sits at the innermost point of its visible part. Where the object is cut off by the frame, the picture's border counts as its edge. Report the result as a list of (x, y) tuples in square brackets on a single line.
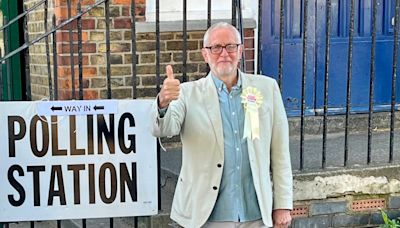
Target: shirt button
[(230, 97), (219, 165), (238, 167), (237, 148), (215, 188), (233, 113), (235, 132)]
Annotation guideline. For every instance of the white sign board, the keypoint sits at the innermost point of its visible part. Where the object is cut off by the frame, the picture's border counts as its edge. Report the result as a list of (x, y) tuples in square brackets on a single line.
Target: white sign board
[(76, 166)]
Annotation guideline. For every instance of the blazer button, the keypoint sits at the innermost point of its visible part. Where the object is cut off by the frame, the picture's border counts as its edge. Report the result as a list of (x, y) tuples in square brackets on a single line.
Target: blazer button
[(219, 165), (215, 188)]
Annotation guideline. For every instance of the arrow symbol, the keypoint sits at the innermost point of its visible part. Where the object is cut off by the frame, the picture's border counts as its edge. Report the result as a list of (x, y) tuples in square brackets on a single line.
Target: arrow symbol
[(56, 108), (98, 107)]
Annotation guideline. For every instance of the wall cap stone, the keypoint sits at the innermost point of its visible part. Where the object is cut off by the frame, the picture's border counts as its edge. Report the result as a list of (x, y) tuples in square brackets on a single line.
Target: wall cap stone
[(176, 26)]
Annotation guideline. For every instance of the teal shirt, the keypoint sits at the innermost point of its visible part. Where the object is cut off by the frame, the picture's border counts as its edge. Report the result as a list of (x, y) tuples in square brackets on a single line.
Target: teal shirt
[(237, 199)]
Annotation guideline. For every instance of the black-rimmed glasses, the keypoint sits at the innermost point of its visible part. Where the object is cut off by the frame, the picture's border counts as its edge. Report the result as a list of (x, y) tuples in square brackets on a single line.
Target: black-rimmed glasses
[(217, 49)]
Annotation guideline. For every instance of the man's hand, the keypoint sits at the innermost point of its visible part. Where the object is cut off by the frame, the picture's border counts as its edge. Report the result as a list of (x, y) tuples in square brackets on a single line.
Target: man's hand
[(281, 218), (169, 90)]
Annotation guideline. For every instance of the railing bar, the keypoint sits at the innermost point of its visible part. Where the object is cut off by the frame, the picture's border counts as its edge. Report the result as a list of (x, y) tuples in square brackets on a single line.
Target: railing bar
[(136, 222), (133, 59), (28, 91), (108, 57), (372, 79), (303, 83), (7, 76), (1, 79), (32, 224), (83, 223), (349, 79), (241, 30), (71, 52), (394, 78), (208, 13), (80, 54), (234, 13), (22, 15), (55, 64), (58, 223), (326, 80), (111, 223), (184, 48), (281, 43), (158, 81), (9, 92), (48, 51), (26, 45), (259, 47)]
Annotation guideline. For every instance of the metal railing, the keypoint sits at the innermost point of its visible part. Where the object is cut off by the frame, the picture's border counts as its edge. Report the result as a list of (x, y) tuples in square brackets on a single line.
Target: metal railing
[(53, 75), (236, 20)]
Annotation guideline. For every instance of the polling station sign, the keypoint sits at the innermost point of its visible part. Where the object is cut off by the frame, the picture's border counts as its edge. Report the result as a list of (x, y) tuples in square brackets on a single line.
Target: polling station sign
[(76, 159)]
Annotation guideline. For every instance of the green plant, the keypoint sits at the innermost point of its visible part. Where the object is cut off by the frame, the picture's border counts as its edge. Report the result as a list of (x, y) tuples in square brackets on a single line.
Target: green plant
[(389, 223)]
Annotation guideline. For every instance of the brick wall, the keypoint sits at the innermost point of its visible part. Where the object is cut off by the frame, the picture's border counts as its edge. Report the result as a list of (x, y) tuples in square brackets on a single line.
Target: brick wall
[(37, 52), (345, 211), (94, 56)]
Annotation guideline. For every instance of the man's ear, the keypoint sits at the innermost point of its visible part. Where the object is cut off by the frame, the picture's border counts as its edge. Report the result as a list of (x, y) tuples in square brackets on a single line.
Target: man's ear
[(241, 47), (205, 54)]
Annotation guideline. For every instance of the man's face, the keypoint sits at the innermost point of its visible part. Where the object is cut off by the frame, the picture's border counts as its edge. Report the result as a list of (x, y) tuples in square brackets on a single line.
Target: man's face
[(222, 64)]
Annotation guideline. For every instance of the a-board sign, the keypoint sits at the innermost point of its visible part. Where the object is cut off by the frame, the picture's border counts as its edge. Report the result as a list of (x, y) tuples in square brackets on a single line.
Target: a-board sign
[(68, 160)]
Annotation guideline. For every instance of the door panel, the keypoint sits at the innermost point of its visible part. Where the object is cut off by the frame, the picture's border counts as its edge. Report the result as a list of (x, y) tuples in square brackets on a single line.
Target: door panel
[(361, 56), (338, 58), (293, 51)]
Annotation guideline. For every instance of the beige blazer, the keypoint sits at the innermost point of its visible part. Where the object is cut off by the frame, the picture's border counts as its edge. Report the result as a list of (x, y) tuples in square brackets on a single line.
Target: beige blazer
[(196, 117)]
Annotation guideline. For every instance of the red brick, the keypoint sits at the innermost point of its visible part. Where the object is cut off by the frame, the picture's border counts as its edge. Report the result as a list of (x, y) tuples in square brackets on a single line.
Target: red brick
[(249, 54), (248, 33), (86, 48), (249, 66), (67, 83), (299, 211), (86, 24), (368, 205), (65, 60), (73, 2), (88, 94), (121, 2), (61, 12), (63, 36), (122, 23), (64, 71), (249, 43)]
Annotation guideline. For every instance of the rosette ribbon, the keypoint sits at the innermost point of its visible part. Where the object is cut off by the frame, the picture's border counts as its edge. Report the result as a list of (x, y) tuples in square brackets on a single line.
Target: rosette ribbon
[(252, 100)]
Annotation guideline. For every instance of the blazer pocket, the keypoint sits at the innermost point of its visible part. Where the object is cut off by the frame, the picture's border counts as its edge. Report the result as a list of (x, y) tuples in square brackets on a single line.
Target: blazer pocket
[(183, 198)]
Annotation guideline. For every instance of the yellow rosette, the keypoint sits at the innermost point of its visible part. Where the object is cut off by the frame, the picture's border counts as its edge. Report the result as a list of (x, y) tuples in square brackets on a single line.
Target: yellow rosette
[(252, 100)]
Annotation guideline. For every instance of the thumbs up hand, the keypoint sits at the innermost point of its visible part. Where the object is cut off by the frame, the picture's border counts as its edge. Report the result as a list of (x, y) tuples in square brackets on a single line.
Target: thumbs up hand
[(170, 89)]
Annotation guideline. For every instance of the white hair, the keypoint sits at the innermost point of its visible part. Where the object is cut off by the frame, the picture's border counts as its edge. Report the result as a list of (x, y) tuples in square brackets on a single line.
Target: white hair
[(218, 26)]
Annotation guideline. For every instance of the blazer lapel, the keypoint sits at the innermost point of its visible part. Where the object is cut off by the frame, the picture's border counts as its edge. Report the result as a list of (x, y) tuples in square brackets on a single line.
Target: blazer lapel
[(211, 103)]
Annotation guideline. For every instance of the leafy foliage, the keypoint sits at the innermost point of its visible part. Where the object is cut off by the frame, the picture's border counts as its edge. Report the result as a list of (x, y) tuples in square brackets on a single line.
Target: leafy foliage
[(389, 223)]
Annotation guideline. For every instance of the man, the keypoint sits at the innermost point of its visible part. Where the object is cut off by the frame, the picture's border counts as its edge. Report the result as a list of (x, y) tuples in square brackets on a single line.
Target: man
[(236, 169)]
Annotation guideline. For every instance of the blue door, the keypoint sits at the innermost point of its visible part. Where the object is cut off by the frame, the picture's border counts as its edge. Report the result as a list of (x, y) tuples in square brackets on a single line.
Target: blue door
[(292, 63), (293, 52)]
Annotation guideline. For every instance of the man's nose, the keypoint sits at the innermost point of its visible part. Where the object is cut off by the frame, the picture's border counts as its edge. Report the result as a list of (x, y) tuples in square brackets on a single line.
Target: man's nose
[(224, 52)]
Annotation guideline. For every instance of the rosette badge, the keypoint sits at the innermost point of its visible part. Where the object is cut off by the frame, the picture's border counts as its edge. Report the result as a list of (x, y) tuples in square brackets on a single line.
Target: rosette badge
[(252, 100)]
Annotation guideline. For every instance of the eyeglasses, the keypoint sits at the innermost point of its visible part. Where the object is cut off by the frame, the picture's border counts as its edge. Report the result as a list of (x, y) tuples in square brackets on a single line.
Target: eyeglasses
[(217, 49)]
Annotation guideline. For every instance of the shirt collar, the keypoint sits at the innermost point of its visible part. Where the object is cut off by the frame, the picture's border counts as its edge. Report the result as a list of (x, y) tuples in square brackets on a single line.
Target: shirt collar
[(220, 85)]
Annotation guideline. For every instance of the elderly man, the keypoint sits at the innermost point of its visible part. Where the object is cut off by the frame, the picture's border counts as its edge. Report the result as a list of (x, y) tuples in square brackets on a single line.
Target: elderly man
[(236, 169)]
